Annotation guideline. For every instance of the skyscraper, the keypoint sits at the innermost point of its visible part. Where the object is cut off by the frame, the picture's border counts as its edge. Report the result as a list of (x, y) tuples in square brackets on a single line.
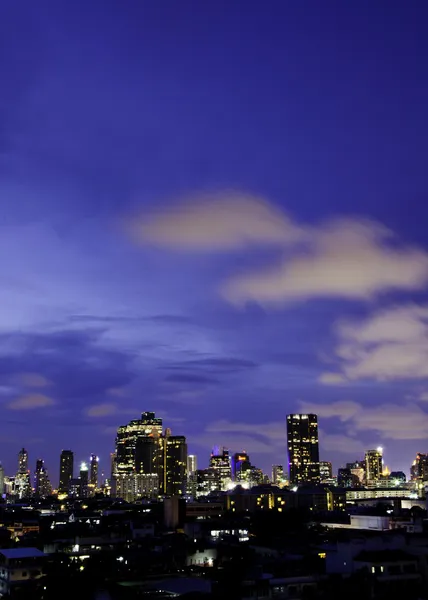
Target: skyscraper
[(374, 465), (84, 480), (241, 466), (326, 470), (173, 464), (303, 449), (278, 475), (93, 477), (66, 469), (220, 462), (127, 440), (42, 485), (23, 480), (419, 468), (192, 464), (23, 461)]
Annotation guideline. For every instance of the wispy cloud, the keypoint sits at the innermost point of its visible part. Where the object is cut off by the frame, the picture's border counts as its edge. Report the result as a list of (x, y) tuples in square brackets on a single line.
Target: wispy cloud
[(215, 222), (30, 402), (389, 344), (390, 421), (101, 410), (342, 258)]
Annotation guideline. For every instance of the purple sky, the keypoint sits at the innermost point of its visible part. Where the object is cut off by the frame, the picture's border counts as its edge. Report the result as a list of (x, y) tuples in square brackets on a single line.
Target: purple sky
[(217, 211)]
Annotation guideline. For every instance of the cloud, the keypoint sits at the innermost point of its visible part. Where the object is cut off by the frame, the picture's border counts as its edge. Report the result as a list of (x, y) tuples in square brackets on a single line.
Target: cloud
[(235, 442), (332, 379), (340, 444), (34, 380), (390, 344), (345, 259), (343, 410), (273, 432), (101, 410), (30, 402), (391, 421), (340, 258), (216, 222), (215, 365)]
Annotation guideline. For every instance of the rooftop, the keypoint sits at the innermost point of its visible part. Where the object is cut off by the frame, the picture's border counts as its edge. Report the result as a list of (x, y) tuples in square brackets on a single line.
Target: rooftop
[(21, 552)]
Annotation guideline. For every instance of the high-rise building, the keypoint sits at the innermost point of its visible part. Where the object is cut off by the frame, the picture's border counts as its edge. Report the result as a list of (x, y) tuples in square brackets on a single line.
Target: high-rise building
[(1, 480), (419, 468), (374, 465), (93, 476), (172, 464), (192, 464), (220, 462), (345, 478), (84, 480), (127, 441), (241, 464), (42, 485), (278, 475), (23, 461), (303, 448), (22, 482), (66, 469), (326, 470)]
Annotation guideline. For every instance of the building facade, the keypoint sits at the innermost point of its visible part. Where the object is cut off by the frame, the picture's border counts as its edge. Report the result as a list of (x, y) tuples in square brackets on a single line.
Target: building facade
[(66, 470), (303, 448), (374, 465)]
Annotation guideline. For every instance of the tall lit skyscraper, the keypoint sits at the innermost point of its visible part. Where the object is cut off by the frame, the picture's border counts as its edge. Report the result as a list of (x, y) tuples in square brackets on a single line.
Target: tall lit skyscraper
[(42, 485), (127, 441), (23, 461), (303, 448), (83, 480), (241, 466), (419, 468), (220, 462), (66, 469), (93, 477), (23, 480), (374, 465), (278, 475), (192, 464), (326, 470), (173, 464)]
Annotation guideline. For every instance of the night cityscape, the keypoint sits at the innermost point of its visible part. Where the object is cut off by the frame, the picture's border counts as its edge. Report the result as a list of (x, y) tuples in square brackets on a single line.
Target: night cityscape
[(213, 299)]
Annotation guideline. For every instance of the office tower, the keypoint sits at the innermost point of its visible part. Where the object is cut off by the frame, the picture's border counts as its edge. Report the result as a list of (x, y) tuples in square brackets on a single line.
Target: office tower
[(1, 480), (22, 481), (419, 468), (374, 465), (172, 466), (207, 481), (66, 469), (192, 464), (303, 449), (220, 462), (127, 438), (278, 476), (326, 470), (241, 465), (397, 478), (42, 485), (23, 461), (345, 478), (84, 480), (93, 477)]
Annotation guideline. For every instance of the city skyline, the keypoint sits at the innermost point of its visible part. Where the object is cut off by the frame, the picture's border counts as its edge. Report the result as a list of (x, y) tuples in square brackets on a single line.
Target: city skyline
[(135, 458), (219, 215)]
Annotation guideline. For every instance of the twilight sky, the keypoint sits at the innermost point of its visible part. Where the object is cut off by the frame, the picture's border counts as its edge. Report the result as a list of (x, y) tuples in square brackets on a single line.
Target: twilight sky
[(217, 211)]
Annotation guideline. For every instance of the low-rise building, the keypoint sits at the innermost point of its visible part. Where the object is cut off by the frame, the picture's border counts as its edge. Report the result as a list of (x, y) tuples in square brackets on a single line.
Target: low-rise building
[(19, 567)]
